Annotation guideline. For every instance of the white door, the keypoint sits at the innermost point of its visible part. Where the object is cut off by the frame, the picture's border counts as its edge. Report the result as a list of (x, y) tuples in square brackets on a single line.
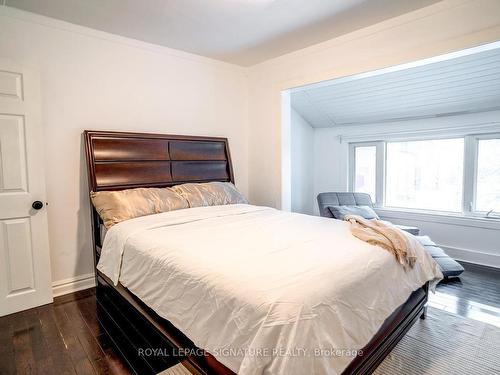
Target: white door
[(25, 279)]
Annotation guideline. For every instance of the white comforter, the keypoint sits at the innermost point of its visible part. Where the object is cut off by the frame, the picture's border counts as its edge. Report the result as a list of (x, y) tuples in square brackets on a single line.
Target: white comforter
[(264, 291)]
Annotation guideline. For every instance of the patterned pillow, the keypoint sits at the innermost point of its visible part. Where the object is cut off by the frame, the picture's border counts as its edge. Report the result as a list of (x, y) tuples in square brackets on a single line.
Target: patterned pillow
[(339, 212), (116, 206), (210, 194)]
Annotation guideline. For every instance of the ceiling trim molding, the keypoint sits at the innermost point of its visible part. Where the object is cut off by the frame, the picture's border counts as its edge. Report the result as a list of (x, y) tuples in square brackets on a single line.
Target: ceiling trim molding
[(22, 15)]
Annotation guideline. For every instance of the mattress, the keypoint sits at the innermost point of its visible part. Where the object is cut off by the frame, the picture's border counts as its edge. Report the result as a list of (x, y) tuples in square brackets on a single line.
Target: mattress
[(264, 291)]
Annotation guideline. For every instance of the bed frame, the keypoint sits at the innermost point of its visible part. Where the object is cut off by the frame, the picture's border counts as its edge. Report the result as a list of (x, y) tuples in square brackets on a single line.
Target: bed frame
[(119, 160)]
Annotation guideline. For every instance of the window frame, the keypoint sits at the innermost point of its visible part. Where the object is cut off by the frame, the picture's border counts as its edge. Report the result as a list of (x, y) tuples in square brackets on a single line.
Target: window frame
[(470, 171), (379, 168), (470, 184)]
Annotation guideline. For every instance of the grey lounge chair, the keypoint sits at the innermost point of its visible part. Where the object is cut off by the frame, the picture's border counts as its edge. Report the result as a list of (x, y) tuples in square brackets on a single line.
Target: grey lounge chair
[(337, 204)]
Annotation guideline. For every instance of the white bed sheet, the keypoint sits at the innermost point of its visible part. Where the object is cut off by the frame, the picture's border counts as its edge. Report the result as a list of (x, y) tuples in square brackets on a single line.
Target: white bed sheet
[(264, 291)]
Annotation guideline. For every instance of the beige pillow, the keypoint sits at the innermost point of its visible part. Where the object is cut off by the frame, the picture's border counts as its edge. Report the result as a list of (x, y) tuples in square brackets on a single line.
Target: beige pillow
[(116, 206), (210, 194)]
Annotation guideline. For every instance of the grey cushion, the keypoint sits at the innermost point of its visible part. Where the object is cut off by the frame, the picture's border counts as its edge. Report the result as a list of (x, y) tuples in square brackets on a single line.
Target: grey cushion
[(339, 212), (450, 267), (341, 199), (412, 230), (435, 252), (426, 241)]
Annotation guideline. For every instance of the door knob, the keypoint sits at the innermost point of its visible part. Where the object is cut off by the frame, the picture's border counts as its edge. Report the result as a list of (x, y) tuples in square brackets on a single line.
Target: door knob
[(37, 205)]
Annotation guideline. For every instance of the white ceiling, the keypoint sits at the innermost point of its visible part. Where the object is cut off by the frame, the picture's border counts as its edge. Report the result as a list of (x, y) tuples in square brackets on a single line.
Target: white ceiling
[(243, 32), (461, 85)]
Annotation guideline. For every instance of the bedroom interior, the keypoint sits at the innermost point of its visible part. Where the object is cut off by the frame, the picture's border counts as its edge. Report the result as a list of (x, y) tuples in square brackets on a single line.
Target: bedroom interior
[(310, 188)]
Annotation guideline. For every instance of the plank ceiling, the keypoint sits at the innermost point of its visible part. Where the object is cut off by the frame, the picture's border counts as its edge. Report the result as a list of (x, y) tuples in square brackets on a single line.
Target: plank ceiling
[(465, 84)]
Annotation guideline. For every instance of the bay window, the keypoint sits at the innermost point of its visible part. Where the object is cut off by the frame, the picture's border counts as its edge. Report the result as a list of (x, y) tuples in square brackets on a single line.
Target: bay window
[(456, 175)]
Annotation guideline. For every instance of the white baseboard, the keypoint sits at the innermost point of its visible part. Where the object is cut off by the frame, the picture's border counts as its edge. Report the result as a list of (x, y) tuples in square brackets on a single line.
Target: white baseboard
[(73, 284), (472, 256)]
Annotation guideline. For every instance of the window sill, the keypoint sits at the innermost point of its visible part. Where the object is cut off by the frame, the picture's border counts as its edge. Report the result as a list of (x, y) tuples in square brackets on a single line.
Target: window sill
[(439, 217)]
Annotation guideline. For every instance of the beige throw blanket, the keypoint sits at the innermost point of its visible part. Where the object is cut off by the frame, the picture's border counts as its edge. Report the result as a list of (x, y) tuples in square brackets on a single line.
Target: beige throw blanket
[(381, 233)]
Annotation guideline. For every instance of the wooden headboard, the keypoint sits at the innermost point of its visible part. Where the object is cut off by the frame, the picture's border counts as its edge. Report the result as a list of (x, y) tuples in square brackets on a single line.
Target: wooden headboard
[(121, 160)]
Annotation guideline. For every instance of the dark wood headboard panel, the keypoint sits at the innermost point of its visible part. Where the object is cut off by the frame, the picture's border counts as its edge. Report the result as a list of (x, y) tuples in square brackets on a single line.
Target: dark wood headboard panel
[(119, 160)]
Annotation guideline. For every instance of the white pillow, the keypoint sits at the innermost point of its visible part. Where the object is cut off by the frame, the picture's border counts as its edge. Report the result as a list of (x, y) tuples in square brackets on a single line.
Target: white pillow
[(116, 206), (210, 194)]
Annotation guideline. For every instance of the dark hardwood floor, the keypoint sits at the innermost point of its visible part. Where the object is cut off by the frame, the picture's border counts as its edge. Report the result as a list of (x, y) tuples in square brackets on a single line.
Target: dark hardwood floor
[(66, 337), (61, 338), (475, 294)]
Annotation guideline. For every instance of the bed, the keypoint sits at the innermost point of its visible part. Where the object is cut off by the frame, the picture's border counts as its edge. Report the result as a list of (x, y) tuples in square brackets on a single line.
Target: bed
[(136, 288)]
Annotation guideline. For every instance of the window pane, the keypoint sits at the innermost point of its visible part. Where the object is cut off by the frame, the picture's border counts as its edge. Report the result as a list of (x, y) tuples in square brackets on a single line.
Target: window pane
[(425, 174), (488, 175), (365, 169)]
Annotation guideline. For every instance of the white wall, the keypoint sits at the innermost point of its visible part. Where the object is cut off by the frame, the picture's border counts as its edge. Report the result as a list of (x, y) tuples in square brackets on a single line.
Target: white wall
[(302, 176), (93, 80), (472, 240), (330, 170), (447, 26)]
